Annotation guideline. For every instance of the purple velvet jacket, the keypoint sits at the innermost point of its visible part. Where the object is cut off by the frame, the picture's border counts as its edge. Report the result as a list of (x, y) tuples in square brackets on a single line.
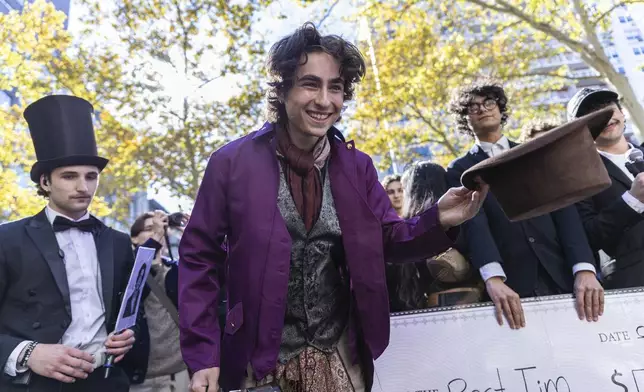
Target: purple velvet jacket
[(238, 199)]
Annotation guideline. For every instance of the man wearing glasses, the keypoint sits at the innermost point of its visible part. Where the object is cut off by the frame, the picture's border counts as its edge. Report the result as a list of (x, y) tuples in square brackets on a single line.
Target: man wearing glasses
[(546, 255)]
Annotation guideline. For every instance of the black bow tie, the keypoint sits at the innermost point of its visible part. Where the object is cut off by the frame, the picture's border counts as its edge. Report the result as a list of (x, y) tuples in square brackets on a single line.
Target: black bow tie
[(62, 224)]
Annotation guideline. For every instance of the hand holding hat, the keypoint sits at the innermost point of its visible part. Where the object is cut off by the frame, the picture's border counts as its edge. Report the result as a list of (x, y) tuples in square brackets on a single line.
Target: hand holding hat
[(458, 205)]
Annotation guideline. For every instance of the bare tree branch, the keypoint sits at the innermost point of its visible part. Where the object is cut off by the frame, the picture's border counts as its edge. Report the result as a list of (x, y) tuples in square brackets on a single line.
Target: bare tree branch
[(506, 8), (327, 13), (613, 8)]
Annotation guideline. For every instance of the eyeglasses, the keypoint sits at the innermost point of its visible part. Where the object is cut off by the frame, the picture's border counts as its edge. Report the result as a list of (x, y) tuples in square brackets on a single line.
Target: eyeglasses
[(475, 107)]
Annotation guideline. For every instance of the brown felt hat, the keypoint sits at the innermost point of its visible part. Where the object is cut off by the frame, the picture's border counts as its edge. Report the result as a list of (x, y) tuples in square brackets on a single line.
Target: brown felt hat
[(549, 172)]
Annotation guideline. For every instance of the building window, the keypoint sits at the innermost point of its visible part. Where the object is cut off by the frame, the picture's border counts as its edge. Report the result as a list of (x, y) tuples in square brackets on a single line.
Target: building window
[(637, 51), (629, 19), (622, 19), (621, 70)]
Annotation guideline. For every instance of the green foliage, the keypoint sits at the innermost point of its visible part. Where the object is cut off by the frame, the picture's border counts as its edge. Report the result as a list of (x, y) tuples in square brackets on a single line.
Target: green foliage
[(181, 53), (38, 57), (426, 49)]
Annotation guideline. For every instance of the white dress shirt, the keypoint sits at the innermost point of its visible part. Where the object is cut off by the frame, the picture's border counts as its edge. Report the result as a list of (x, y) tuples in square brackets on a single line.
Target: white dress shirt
[(495, 269), (87, 330), (620, 161)]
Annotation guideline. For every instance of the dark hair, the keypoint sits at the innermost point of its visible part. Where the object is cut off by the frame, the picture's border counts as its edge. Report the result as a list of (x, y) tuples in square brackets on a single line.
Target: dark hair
[(139, 224), (536, 127), (291, 51), (424, 183), (389, 179), (462, 97), (40, 190)]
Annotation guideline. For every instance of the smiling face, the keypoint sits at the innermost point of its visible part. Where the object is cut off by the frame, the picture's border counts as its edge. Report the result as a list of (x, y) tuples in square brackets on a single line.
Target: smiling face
[(315, 101), (614, 131), (71, 189)]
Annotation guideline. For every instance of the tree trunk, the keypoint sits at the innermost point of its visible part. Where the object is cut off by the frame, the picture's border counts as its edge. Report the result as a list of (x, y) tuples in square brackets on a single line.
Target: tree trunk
[(631, 103)]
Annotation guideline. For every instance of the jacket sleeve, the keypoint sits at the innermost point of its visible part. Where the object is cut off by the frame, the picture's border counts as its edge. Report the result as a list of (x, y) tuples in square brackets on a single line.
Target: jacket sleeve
[(606, 227), (410, 239), (570, 232), (478, 241), (7, 342), (202, 255)]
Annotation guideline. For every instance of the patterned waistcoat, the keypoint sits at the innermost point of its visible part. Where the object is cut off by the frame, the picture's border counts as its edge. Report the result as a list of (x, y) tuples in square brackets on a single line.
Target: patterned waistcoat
[(318, 289)]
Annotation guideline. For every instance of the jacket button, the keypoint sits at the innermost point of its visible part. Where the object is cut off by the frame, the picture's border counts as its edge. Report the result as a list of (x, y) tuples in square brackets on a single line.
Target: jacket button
[(531, 239), (35, 325), (31, 293), (61, 253)]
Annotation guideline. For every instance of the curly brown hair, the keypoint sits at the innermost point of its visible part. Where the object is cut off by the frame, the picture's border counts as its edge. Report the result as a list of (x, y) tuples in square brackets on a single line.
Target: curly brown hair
[(535, 128), (463, 96), (291, 51)]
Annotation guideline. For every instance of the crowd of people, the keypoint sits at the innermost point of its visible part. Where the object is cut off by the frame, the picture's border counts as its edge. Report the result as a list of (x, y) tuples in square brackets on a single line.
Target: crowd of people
[(551, 254), (294, 253)]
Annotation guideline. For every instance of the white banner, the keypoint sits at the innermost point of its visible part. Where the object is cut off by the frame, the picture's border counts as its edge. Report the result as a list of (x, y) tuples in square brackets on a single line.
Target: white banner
[(464, 349)]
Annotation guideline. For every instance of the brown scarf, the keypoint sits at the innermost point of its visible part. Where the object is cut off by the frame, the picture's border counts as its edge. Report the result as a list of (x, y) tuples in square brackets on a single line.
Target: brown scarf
[(302, 169)]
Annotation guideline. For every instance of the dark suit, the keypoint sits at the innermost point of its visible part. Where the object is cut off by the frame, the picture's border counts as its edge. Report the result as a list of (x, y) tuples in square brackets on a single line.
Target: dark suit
[(537, 255), (614, 227), (35, 300)]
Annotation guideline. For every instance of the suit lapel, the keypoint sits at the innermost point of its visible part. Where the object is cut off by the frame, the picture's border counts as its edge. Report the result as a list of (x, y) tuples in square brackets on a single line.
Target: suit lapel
[(104, 240), (342, 166), (616, 173), (477, 154), (42, 234)]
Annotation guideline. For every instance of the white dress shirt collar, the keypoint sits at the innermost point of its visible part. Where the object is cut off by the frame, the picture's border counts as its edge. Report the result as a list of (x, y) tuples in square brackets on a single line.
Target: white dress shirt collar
[(492, 149), (613, 157), (52, 214)]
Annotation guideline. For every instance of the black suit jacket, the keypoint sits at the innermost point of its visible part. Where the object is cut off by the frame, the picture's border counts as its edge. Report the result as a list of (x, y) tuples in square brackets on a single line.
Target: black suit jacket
[(556, 241), (614, 227), (34, 293)]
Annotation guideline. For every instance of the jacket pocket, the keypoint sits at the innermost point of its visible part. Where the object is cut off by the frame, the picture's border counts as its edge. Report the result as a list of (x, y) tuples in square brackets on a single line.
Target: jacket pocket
[(234, 319)]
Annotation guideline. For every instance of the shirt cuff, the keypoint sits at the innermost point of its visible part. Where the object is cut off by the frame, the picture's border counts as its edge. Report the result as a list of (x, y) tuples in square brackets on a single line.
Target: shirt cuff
[(11, 368), (583, 267), (492, 270), (632, 202)]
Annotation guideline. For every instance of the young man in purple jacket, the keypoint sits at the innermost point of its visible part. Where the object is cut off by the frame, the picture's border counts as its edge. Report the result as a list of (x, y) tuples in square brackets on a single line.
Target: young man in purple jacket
[(309, 228)]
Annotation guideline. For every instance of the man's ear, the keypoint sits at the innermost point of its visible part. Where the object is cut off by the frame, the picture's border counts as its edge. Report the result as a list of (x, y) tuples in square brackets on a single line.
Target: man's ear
[(44, 182)]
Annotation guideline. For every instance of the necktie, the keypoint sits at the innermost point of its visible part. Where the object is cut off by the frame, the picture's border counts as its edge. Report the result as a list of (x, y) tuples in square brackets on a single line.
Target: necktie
[(62, 224)]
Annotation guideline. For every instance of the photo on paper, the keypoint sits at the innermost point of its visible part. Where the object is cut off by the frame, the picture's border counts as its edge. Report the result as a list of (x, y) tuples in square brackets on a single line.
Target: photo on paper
[(130, 305)]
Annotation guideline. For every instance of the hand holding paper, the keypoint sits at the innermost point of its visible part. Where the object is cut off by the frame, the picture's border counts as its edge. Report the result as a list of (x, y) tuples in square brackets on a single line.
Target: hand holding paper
[(119, 344)]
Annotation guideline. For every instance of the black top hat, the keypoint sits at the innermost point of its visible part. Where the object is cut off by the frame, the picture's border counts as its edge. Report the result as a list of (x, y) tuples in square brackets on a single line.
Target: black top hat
[(63, 134), (581, 102)]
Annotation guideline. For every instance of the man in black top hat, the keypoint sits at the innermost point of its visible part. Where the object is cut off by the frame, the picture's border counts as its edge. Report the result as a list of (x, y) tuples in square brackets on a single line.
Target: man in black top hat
[(613, 218), (62, 271)]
